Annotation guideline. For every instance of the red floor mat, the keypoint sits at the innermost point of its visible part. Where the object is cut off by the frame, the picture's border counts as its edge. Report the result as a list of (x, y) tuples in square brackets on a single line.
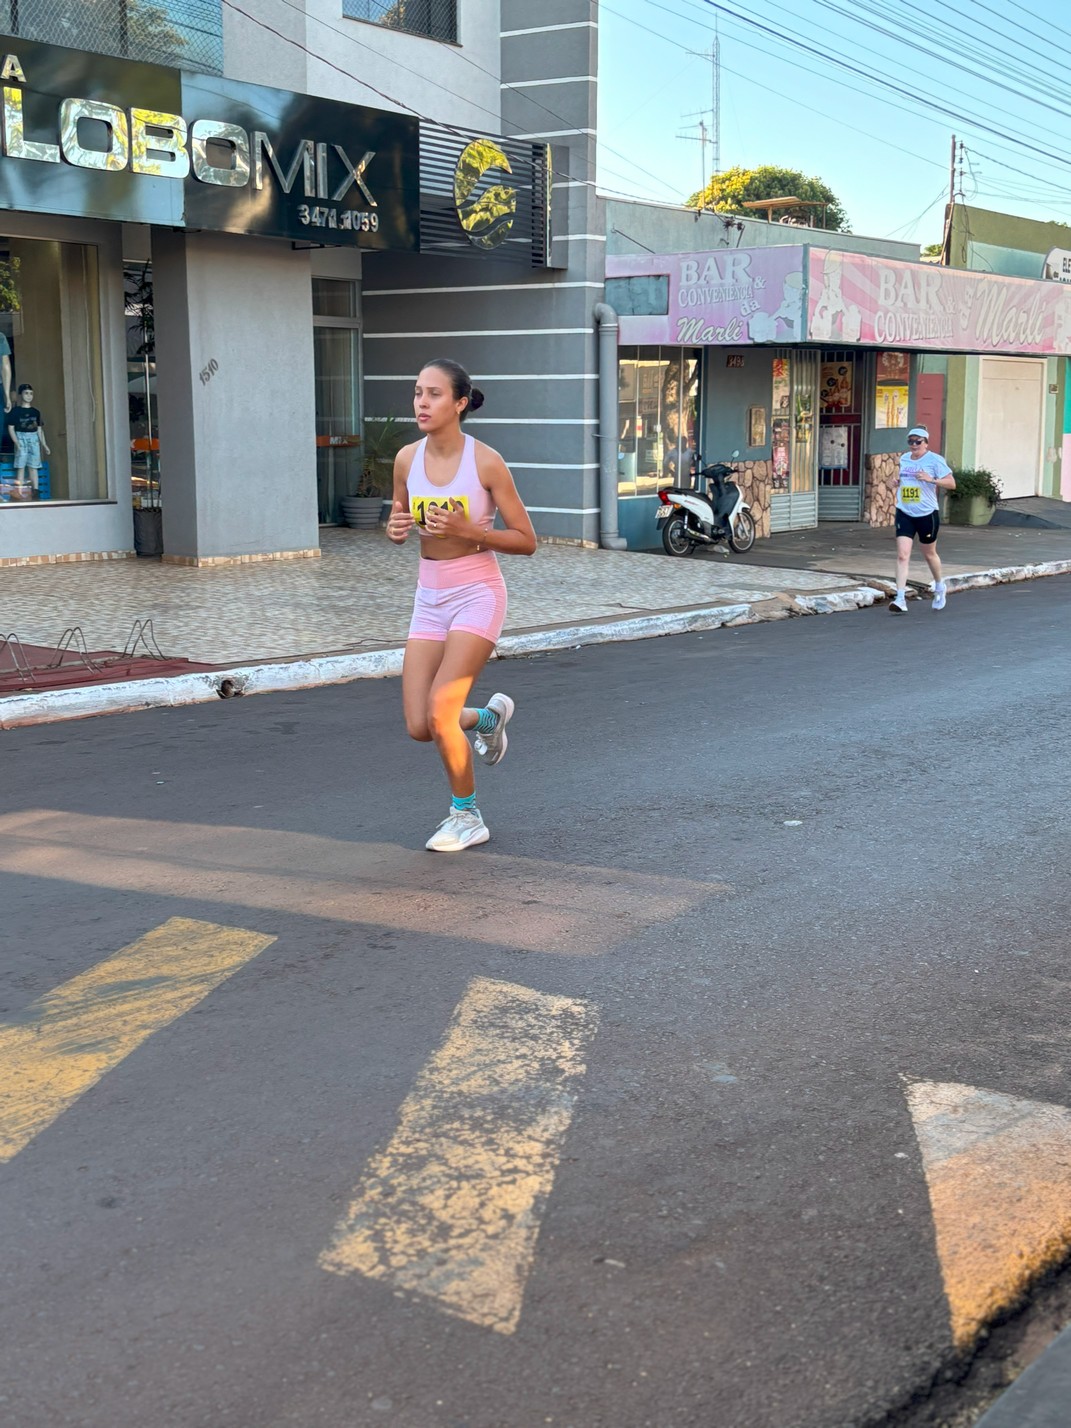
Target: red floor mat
[(70, 669)]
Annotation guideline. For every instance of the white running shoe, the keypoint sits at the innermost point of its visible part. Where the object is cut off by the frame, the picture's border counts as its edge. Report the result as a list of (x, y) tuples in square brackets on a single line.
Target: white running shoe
[(461, 828), (939, 593), (492, 747), (899, 605)]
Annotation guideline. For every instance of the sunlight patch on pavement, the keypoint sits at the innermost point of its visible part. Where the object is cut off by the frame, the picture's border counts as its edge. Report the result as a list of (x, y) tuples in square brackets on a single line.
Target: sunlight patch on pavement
[(59, 1046), (450, 1210), (529, 904), (998, 1170)]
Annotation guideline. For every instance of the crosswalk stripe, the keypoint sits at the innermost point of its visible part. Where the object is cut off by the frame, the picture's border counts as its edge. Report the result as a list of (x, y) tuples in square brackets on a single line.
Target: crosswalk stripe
[(450, 1210), (998, 1170), (62, 1044)]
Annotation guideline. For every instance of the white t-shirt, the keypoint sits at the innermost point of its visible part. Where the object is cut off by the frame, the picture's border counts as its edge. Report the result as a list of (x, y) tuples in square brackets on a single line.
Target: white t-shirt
[(914, 496)]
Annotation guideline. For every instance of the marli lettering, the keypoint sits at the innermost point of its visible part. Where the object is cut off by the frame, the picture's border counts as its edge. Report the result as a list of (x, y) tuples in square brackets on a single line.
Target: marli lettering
[(163, 145), (694, 329)]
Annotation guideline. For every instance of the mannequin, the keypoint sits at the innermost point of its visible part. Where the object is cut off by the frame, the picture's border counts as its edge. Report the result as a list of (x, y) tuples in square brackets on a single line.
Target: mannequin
[(26, 429)]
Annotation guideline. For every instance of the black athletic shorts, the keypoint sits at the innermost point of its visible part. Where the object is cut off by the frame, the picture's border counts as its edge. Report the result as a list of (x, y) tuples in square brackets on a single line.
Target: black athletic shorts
[(925, 527)]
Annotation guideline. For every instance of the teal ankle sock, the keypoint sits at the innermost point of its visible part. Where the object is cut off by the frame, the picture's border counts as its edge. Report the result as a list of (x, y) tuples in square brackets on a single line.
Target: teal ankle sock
[(464, 805), (486, 719)]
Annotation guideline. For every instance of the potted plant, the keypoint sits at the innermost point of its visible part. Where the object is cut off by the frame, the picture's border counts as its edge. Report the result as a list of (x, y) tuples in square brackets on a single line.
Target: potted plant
[(381, 440), (975, 498)]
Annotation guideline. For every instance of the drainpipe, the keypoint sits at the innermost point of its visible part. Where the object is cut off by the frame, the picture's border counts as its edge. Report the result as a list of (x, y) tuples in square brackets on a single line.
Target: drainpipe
[(606, 318)]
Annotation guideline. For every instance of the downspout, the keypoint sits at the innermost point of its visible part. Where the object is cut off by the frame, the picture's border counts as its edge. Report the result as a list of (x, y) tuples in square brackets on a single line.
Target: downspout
[(606, 318)]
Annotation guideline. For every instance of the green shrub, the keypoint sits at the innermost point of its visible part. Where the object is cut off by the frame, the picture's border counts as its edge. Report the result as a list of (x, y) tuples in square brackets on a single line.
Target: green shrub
[(976, 482)]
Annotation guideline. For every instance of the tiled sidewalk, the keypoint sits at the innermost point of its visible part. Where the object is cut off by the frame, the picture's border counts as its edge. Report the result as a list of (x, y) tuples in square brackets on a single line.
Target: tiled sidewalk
[(358, 596)]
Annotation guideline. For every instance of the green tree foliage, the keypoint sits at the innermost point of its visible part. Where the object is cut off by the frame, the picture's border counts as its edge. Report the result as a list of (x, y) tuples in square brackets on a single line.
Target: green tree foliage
[(727, 192), (933, 250)]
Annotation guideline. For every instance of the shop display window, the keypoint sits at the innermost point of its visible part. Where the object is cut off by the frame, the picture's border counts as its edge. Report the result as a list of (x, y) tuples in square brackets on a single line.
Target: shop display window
[(52, 446), (658, 405)]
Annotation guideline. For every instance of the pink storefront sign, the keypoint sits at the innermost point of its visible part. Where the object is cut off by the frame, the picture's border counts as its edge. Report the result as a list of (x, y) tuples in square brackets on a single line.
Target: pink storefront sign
[(731, 297), (853, 298)]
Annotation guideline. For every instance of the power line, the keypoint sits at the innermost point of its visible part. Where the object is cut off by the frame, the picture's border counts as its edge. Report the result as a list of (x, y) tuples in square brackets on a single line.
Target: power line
[(401, 104), (830, 58), (767, 89)]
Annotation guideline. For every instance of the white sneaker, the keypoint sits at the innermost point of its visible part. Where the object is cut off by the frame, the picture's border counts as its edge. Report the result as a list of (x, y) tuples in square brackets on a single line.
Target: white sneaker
[(492, 747), (461, 828), (939, 593), (899, 605)]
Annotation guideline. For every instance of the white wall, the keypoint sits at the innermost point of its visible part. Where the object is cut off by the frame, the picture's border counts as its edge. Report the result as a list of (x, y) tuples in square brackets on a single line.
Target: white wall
[(457, 84), (238, 451)]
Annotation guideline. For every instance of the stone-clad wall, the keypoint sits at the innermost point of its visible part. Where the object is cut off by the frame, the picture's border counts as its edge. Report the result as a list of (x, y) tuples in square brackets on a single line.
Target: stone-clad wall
[(879, 498), (756, 480)]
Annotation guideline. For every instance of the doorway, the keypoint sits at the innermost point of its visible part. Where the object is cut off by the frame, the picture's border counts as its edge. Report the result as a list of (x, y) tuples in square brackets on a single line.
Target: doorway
[(840, 418), (337, 371), (1011, 406), (794, 499)]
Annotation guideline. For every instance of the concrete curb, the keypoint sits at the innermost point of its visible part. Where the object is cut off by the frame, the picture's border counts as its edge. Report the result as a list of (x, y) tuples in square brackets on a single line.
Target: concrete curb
[(51, 706), (1039, 1397), (1007, 575)]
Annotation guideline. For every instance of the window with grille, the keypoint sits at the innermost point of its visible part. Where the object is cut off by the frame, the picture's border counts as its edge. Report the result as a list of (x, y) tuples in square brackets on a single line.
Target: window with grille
[(435, 19), (186, 34)]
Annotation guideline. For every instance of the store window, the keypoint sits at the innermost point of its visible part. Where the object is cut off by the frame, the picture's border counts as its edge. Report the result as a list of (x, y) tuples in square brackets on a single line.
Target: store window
[(337, 373), (53, 437), (658, 406), (435, 19)]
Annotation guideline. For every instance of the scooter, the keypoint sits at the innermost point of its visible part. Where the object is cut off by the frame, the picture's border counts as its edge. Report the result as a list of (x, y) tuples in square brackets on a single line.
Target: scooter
[(690, 516)]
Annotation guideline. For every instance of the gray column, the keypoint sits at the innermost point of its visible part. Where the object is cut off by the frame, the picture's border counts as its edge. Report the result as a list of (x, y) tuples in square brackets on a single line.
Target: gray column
[(236, 401)]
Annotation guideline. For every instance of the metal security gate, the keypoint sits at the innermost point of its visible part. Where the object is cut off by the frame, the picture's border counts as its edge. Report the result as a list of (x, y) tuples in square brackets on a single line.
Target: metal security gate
[(840, 423), (794, 506)]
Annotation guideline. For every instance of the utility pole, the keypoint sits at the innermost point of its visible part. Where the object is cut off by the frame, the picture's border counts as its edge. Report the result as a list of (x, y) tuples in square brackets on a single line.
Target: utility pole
[(713, 135), (953, 188), (715, 96), (703, 140)]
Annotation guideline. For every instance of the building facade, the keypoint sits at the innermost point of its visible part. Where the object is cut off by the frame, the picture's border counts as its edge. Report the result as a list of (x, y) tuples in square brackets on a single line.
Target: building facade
[(1010, 414), (809, 355), (230, 241)]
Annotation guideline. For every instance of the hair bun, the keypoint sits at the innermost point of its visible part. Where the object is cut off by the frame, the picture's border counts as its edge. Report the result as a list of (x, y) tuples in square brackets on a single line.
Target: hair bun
[(475, 400)]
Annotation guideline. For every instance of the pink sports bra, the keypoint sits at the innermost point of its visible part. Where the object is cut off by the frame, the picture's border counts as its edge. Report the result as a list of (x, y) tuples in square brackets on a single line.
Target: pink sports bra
[(464, 492)]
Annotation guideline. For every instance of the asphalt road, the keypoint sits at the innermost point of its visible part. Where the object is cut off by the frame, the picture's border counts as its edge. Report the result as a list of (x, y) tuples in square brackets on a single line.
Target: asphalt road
[(602, 1125)]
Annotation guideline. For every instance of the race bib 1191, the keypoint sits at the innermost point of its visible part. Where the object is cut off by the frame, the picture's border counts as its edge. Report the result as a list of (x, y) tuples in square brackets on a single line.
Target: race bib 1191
[(909, 494)]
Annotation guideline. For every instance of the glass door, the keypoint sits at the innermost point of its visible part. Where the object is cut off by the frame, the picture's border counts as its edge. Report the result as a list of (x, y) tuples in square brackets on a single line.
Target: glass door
[(337, 373)]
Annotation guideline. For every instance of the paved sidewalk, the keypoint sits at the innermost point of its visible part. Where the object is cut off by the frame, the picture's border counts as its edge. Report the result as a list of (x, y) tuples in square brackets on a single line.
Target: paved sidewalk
[(291, 625), (357, 596), (866, 553)]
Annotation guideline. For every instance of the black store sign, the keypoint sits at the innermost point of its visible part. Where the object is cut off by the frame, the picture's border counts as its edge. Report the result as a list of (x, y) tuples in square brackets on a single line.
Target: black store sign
[(96, 137)]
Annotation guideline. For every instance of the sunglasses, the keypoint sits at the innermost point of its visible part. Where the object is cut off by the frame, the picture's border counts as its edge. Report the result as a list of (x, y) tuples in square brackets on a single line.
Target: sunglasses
[(915, 440)]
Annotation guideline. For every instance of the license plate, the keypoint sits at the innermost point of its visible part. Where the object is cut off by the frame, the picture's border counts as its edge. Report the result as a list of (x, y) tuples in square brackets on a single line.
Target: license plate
[(664, 512)]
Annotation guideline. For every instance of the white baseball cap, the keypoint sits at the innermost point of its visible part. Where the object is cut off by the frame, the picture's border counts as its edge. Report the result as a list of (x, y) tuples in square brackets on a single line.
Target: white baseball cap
[(919, 431)]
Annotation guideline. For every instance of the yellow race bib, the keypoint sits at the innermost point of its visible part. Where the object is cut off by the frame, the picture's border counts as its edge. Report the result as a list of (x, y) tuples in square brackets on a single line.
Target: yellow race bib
[(419, 506), (909, 494)]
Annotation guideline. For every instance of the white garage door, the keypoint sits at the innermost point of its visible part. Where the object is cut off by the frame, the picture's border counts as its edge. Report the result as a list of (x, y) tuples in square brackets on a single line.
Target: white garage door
[(1011, 406)]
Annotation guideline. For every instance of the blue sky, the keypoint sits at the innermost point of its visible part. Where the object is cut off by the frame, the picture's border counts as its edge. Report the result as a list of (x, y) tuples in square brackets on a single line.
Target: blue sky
[(869, 135)]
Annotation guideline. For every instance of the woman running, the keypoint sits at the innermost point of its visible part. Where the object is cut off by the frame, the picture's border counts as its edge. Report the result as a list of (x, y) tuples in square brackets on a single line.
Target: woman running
[(448, 486), (922, 471)]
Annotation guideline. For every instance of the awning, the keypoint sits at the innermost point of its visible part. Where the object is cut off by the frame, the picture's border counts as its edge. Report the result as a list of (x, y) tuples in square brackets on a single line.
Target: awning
[(802, 294)]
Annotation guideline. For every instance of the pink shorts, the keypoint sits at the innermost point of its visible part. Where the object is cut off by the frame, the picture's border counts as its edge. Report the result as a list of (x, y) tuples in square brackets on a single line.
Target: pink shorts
[(465, 594)]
